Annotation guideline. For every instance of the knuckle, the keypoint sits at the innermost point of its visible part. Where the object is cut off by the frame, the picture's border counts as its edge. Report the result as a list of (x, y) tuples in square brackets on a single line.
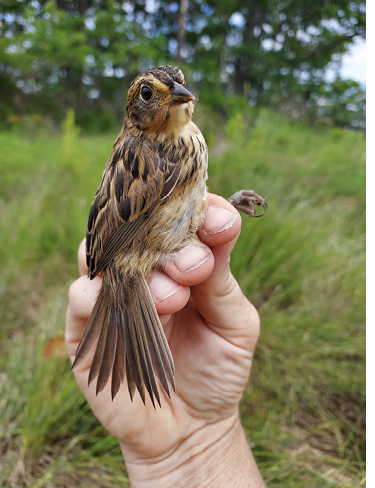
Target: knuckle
[(254, 320), (233, 289)]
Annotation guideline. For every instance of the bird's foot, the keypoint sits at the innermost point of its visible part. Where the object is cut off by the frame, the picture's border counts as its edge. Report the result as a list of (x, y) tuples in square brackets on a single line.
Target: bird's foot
[(245, 200)]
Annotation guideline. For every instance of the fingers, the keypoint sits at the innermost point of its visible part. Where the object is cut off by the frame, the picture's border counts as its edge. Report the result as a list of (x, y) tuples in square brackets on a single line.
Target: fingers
[(207, 270), (222, 223), (219, 299), (170, 289), (169, 296), (191, 265), (194, 264), (221, 227)]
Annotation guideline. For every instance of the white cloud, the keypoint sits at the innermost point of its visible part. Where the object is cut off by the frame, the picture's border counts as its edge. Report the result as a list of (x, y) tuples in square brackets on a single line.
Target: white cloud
[(354, 62)]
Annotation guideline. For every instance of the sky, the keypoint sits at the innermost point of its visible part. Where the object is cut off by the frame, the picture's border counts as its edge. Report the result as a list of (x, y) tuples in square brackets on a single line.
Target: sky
[(354, 62)]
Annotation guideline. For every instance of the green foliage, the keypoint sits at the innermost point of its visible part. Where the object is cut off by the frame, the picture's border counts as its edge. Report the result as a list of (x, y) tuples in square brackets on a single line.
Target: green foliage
[(342, 103), (303, 267), (302, 264), (57, 442), (58, 54), (273, 49), (63, 55)]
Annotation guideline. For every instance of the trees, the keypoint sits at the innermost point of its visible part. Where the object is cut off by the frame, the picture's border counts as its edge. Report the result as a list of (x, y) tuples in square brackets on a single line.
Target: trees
[(271, 46), (78, 53), (276, 52), (73, 54)]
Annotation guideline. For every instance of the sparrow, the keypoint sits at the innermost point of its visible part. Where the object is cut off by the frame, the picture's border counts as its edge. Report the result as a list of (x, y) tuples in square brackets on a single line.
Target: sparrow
[(150, 203)]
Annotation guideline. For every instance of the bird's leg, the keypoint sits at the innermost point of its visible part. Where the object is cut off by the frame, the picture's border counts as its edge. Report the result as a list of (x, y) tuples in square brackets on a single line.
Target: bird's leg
[(245, 200)]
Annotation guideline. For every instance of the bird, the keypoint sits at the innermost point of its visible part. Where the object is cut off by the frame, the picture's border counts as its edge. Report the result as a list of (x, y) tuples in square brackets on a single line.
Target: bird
[(150, 203)]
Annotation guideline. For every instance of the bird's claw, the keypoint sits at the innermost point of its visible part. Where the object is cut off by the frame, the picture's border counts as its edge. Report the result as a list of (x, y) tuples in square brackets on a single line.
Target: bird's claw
[(245, 200)]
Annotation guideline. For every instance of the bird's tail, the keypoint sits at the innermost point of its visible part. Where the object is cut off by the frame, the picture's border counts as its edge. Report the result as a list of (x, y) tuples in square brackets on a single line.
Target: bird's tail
[(130, 338)]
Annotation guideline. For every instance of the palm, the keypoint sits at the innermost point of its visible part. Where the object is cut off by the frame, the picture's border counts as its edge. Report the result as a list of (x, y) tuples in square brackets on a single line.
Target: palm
[(206, 391), (205, 362)]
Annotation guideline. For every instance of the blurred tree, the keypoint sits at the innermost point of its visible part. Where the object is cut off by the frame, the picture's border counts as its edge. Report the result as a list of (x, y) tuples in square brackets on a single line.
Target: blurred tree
[(343, 102), (270, 50), (181, 33), (76, 53)]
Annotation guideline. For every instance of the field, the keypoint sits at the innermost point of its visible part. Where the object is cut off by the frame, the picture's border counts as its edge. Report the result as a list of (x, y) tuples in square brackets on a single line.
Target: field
[(302, 265)]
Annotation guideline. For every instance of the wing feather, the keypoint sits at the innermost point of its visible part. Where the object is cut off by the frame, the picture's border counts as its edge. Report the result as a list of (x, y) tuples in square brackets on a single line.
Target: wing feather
[(136, 180)]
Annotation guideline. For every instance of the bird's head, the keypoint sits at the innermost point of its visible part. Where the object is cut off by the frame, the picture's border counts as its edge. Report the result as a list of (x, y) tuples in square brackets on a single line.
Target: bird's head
[(159, 102)]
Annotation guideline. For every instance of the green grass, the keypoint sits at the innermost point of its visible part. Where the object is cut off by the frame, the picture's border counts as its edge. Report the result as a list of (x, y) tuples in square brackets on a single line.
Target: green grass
[(302, 265)]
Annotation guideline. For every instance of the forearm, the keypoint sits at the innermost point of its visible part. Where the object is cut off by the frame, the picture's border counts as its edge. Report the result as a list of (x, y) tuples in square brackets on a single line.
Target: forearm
[(215, 455)]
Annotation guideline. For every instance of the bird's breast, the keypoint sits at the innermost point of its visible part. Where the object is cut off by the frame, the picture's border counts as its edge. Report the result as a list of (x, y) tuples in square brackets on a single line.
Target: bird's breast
[(186, 204), (192, 156), (179, 216)]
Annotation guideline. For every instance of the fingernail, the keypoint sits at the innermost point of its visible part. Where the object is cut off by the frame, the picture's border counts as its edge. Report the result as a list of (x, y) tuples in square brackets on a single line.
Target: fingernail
[(218, 219), (162, 287), (191, 257)]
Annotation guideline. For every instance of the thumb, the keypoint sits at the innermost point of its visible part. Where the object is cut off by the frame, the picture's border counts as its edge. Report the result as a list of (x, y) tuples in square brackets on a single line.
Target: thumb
[(219, 299)]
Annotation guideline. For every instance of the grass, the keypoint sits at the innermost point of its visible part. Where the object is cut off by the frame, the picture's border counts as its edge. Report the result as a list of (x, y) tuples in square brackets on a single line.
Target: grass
[(302, 265)]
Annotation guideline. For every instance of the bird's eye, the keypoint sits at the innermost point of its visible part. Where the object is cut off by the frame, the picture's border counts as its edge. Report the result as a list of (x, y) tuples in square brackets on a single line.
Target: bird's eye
[(146, 93)]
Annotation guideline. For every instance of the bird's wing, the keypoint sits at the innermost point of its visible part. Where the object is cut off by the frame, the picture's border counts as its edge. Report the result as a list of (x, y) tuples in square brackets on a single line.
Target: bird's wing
[(136, 179)]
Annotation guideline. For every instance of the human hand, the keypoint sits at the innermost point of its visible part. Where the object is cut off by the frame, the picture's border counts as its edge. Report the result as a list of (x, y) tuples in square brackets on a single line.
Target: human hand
[(212, 330)]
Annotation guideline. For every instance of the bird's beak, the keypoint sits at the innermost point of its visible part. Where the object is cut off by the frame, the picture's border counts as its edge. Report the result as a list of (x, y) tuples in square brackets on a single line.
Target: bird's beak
[(179, 94)]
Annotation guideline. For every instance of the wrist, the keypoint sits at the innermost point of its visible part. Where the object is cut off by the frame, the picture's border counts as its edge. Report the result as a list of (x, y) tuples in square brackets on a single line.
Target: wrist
[(214, 455)]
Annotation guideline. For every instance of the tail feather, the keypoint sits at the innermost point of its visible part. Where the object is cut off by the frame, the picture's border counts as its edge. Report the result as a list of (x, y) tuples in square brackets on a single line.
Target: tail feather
[(118, 372), (156, 360), (158, 345), (101, 347), (131, 383), (91, 332), (109, 354), (159, 339), (132, 357), (143, 352), (130, 339)]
